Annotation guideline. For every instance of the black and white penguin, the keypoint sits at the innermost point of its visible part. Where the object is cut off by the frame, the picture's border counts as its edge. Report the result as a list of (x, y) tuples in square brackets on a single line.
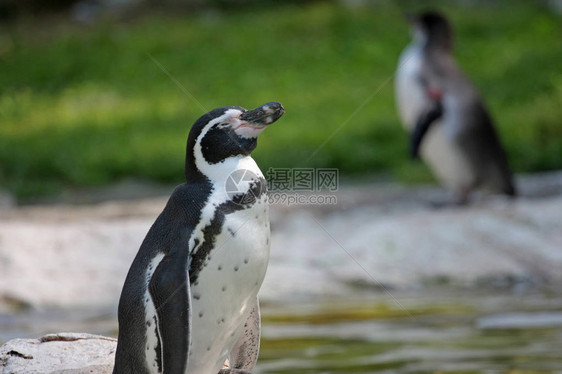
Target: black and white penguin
[(450, 126), (189, 303)]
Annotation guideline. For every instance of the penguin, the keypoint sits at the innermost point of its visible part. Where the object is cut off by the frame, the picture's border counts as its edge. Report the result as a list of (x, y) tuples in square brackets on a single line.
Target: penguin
[(189, 303), (449, 125)]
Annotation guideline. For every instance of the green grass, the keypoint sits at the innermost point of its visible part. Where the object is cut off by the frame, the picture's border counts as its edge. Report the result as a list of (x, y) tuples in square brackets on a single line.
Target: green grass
[(86, 106)]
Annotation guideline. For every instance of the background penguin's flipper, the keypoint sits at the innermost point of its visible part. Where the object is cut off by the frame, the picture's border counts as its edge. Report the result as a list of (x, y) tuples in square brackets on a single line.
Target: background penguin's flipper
[(244, 354), (170, 292), (486, 151), (422, 125)]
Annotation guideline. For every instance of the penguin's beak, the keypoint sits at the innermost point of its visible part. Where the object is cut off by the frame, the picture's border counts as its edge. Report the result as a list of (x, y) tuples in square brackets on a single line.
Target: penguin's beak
[(263, 115)]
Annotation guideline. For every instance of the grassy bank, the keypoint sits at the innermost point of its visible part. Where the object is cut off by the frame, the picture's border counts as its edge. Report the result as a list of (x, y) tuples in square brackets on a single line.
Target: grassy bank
[(83, 106)]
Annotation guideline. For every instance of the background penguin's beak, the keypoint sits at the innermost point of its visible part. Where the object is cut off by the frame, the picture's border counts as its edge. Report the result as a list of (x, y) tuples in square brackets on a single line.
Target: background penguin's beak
[(263, 115)]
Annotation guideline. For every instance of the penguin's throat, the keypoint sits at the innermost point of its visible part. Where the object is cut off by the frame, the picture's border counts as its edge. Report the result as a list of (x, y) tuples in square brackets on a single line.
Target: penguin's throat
[(248, 131), (236, 168)]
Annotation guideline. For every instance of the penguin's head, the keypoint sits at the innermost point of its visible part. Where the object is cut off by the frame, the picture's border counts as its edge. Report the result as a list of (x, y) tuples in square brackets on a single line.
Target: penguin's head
[(226, 133), (433, 29)]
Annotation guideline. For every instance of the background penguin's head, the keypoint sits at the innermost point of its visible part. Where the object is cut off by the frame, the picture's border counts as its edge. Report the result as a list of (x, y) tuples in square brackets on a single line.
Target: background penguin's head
[(433, 29), (226, 133)]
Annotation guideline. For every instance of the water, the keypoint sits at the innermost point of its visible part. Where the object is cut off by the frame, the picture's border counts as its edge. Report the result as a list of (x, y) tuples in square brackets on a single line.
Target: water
[(490, 331)]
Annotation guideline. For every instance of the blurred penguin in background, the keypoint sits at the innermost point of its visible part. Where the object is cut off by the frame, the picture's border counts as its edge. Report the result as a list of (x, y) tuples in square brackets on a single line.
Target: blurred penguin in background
[(450, 128)]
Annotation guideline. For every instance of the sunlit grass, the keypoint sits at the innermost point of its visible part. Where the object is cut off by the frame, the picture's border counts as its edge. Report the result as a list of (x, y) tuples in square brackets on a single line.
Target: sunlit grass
[(87, 106)]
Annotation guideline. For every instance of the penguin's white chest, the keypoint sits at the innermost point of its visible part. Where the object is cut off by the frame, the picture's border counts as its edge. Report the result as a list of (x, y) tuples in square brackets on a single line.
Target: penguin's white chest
[(227, 286), (410, 95)]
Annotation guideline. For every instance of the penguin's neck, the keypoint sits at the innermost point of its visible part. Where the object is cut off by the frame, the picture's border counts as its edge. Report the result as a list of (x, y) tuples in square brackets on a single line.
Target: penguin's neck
[(218, 173), (197, 167), (437, 47)]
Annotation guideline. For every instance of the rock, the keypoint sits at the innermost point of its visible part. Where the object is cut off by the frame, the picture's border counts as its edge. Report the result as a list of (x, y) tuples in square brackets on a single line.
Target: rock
[(67, 264), (377, 237), (500, 243), (68, 353)]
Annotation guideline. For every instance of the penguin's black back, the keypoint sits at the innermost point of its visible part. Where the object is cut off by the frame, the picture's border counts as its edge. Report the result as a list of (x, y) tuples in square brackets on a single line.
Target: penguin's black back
[(171, 229)]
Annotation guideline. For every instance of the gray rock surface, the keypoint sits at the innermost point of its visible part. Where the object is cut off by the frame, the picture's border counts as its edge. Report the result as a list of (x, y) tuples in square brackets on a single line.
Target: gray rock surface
[(379, 236), (68, 353), (6, 200)]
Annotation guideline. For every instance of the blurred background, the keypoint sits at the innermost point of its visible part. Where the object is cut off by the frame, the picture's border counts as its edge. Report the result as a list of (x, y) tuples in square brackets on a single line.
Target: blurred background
[(83, 102), (96, 101)]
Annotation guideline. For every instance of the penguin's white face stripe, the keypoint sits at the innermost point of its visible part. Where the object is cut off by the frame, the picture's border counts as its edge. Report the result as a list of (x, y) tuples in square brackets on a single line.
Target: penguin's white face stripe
[(209, 170), (221, 170)]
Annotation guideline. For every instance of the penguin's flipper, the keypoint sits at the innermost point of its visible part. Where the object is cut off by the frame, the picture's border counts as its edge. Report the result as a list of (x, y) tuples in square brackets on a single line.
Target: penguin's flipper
[(244, 354), (485, 148), (170, 291), (425, 120)]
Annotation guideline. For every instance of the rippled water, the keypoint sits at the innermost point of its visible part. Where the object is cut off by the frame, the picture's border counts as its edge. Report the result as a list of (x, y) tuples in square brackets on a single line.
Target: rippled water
[(438, 333), (461, 332)]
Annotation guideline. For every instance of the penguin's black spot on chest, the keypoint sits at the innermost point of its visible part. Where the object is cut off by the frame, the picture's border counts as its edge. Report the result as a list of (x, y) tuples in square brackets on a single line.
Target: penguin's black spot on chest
[(256, 190)]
